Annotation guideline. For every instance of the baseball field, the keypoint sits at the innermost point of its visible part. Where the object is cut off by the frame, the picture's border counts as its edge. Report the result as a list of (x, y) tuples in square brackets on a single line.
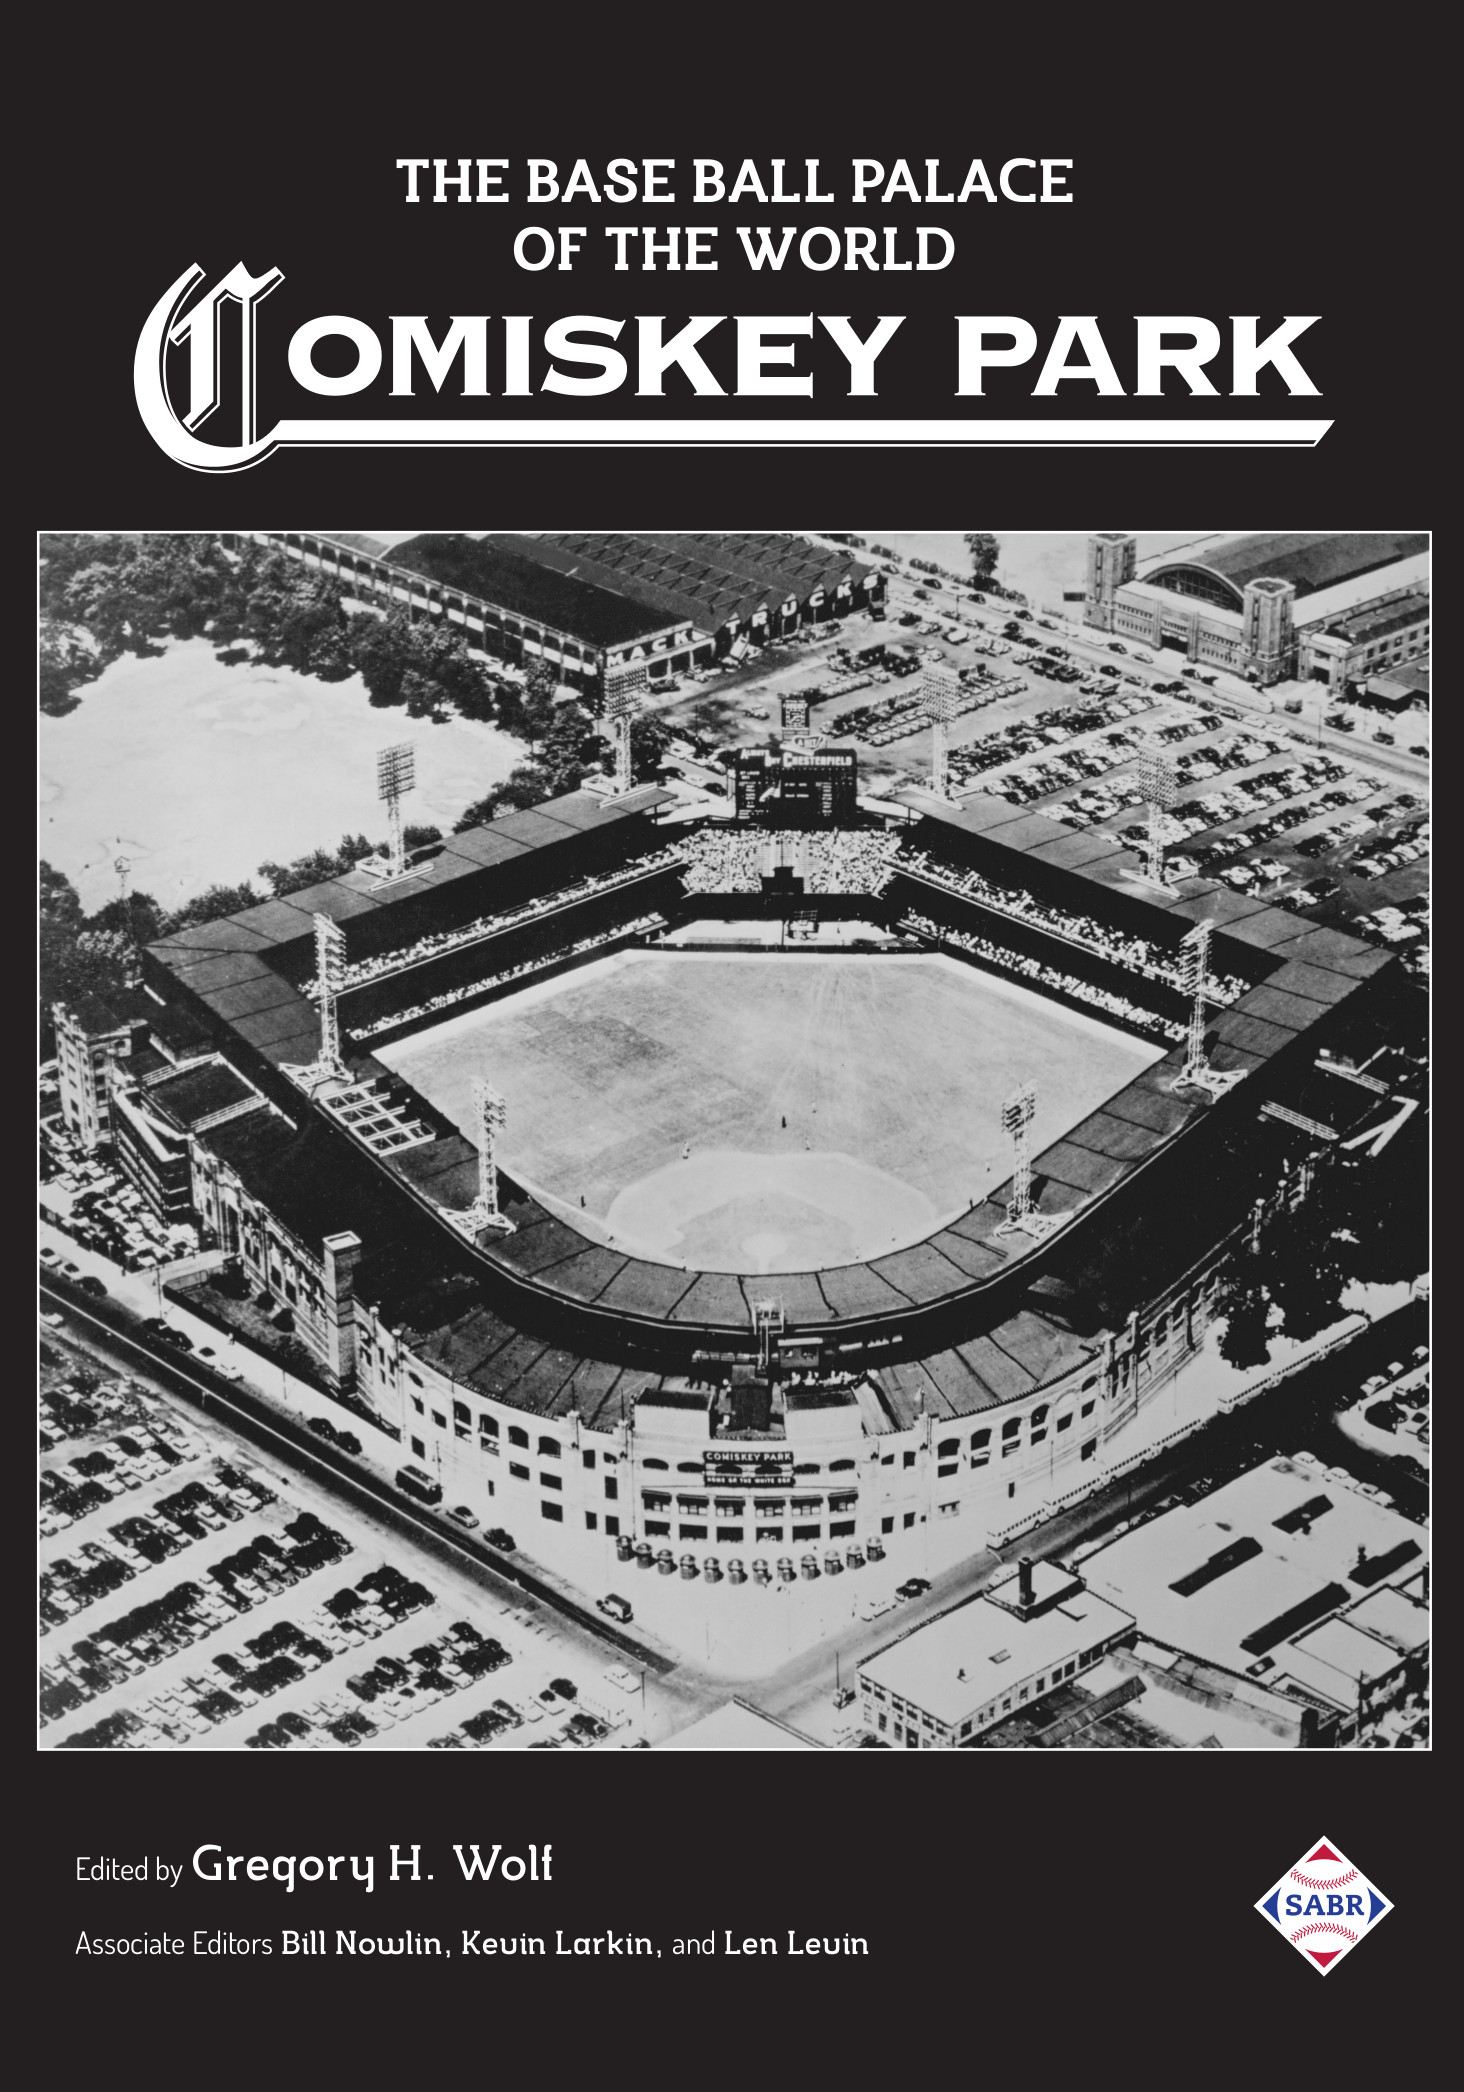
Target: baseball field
[(779, 1113)]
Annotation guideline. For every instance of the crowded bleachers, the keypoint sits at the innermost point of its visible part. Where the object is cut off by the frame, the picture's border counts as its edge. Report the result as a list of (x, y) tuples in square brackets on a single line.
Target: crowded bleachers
[(468, 989), (723, 860), (1121, 1009), (437, 942), (848, 860), (828, 861), (1136, 954)]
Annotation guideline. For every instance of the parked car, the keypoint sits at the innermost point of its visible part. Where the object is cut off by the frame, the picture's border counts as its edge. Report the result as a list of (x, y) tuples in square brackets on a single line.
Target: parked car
[(615, 1607), (912, 1587), (497, 1537), (461, 1515)]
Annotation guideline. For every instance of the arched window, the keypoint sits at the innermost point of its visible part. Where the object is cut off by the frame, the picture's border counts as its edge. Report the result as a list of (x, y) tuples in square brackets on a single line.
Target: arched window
[(549, 1448), (947, 1447)]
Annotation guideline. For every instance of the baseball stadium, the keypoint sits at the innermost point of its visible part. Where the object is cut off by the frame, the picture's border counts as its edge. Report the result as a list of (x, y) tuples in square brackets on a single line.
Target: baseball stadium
[(734, 1193)]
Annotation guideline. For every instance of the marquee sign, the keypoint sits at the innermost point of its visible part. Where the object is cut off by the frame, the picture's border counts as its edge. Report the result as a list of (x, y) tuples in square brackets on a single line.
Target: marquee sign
[(754, 1467)]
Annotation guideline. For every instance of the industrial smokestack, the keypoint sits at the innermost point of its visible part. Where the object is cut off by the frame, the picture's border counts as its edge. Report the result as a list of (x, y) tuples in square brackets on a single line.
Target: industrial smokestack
[(1024, 1580)]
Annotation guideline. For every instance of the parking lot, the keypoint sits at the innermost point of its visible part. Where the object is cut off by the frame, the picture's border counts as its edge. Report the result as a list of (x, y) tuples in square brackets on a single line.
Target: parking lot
[(1056, 717), (97, 1205), (193, 1593)]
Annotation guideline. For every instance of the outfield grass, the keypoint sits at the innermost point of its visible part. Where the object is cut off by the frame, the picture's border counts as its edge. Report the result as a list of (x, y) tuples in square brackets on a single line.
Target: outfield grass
[(833, 1106)]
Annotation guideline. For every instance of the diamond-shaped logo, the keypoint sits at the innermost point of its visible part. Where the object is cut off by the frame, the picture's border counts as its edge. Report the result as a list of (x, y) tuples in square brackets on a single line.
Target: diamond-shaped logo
[(1323, 1905)]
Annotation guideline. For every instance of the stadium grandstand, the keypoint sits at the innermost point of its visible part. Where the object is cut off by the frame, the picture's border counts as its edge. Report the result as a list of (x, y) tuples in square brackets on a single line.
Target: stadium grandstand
[(756, 1260)]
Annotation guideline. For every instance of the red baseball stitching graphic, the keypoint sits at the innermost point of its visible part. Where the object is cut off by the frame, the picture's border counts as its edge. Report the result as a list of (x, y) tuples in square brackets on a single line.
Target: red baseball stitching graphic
[(1317, 1881), (1308, 1931)]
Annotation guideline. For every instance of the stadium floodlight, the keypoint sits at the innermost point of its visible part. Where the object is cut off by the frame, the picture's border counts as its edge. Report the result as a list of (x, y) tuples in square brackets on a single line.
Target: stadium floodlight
[(1156, 782), (768, 1325), (625, 682), (330, 969), (490, 1116), (1194, 973), (940, 697), (1023, 1218), (396, 774)]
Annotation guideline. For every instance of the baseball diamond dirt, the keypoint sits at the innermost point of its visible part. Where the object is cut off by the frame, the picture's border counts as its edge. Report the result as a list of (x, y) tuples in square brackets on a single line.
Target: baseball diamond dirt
[(832, 1105)]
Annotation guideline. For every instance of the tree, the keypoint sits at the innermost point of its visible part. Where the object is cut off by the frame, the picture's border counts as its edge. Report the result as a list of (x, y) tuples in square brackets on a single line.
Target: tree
[(649, 739), (139, 918), (212, 905), (985, 551), (526, 786), (1244, 1340), (538, 716)]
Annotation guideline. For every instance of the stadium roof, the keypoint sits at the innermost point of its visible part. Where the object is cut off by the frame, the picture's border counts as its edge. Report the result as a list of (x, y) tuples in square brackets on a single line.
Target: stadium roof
[(1038, 1336), (500, 572), (1308, 560)]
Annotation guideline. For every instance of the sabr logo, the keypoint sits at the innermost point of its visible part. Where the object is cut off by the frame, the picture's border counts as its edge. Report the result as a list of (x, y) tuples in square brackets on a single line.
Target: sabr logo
[(1324, 1906)]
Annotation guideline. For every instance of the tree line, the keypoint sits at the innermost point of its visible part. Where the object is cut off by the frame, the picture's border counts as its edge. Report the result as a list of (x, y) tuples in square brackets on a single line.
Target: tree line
[(127, 593)]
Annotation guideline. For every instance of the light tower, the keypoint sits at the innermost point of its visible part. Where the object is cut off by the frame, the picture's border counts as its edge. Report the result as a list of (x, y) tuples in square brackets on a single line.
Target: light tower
[(1194, 979), (940, 695), (396, 773), (768, 1324), (623, 684), (330, 966), (122, 866), (490, 1116), (1017, 1112), (1156, 782)]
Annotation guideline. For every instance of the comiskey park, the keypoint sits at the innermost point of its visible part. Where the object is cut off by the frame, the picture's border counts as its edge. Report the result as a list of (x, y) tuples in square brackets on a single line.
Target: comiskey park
[(807, 1140)]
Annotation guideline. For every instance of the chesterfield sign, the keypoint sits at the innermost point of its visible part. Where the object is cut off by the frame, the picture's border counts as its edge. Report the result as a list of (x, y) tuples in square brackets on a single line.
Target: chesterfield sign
[(763, 350)]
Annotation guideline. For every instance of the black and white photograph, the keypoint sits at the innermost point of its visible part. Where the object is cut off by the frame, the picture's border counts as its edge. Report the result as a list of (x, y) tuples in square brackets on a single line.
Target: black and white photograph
[(668, 1136), (788, 1140)]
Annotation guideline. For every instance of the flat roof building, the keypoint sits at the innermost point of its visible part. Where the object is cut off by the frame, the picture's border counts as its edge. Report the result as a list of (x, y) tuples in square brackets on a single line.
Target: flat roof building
[(944, 1684), (1257, 1564)]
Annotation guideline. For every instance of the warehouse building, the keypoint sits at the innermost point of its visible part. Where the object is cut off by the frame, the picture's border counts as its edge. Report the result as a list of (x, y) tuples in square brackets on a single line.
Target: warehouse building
[(1268, 607), (1263, 1577), (945, 1684), (761, 587)]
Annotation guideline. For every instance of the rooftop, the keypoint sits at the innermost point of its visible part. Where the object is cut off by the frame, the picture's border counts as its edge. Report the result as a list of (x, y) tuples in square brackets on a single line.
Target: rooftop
[(957, 1663), (1309, 560), (503, 574), (197, 1093), (1275, 1574)]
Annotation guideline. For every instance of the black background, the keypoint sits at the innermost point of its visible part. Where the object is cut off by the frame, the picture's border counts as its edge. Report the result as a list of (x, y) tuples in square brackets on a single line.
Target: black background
[(1025, 1912)]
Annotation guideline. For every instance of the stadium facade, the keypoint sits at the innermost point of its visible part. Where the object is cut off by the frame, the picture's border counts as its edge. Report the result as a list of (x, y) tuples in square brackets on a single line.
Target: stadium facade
[(720, 1421), (1337, 607)]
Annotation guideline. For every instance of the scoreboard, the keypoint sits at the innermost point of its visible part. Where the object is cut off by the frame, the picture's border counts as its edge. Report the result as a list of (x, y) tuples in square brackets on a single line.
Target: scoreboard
[(809, 789)]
